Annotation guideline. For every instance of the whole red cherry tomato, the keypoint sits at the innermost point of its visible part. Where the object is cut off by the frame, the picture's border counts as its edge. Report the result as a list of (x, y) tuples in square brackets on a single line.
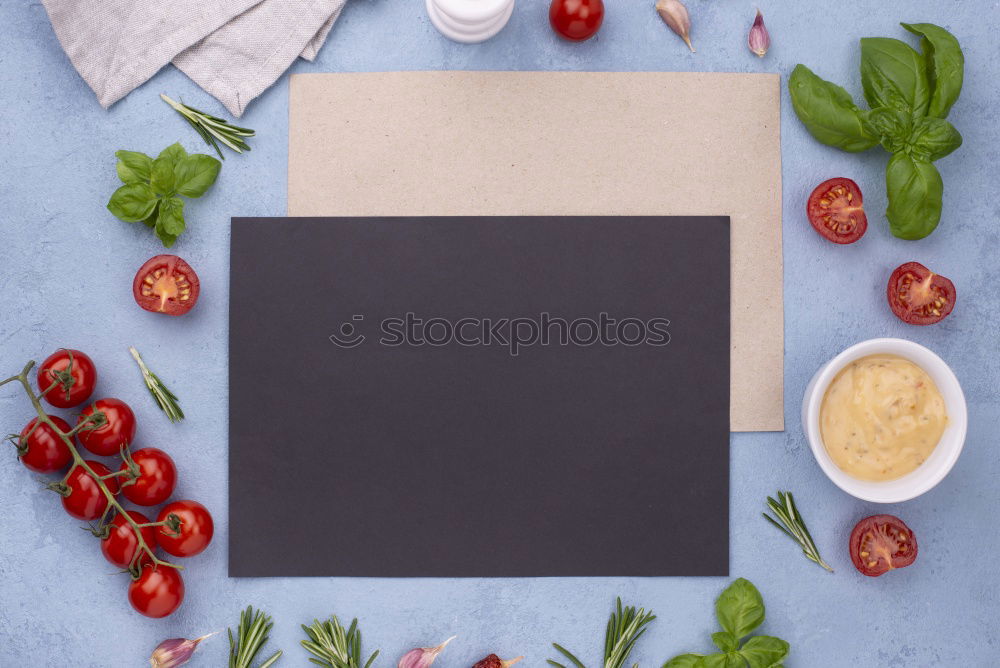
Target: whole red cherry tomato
[(195, 532), (157, 477), (576, 20), (166, 284), (918, 296), (120, 545), (158, 591), (86, 501), (836, 210), (44, 451), (882, 543), (74, 375), (118, 430)]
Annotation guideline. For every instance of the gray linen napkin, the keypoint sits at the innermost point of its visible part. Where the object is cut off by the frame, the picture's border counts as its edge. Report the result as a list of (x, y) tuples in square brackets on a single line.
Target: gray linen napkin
[(234, 49), (237, 62)]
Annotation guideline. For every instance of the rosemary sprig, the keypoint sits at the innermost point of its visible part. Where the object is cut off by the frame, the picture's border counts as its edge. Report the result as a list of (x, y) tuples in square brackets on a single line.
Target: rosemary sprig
[(166, 399), (335, 647), (251, 636), (792, 525), (212, 128), (625, 627)]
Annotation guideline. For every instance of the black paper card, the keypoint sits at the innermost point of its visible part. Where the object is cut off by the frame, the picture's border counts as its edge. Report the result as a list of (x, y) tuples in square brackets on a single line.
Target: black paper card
[(508, 396)]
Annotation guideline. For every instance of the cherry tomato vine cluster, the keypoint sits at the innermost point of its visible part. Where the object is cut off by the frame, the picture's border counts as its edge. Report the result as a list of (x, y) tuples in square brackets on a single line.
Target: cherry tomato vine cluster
[(92, 492)]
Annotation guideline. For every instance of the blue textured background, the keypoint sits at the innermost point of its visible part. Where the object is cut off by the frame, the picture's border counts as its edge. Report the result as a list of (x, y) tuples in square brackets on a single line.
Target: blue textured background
[(67, 267)]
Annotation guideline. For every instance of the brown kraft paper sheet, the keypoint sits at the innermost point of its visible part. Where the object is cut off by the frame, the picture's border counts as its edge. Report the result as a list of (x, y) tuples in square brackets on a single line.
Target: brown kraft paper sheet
[(564, 143)]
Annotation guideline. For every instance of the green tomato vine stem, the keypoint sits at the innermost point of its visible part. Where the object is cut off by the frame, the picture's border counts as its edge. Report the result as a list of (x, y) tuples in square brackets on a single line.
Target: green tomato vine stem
[(134, 568), (117, 474)]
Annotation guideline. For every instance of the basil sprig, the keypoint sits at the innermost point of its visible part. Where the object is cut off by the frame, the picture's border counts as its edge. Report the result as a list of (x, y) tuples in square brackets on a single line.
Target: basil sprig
[(740, 610), (909, 94), (152, 189)]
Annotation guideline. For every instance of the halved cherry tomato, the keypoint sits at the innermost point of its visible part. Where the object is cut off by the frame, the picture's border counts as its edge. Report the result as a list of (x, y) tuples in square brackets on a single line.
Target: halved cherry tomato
[(881, 543), (44, 450), (918, 296), (835, 208), (74, 375), (120, 545), (157, 477), (158, 591), (86, 501), (576, 20), (118, 430), (166, 284), (196, 528)]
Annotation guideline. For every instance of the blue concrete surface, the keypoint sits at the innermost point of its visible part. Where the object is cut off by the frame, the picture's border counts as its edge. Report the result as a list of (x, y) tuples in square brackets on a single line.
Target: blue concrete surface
[(67, 267)]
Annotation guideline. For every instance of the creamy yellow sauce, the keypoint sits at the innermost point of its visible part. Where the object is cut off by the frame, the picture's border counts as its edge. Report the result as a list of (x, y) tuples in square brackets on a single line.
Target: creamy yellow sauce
[(881, 418)]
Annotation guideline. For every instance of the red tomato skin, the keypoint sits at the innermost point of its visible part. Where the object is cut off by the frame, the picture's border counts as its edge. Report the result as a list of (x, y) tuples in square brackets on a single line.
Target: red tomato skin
[(158, 592), (897, 561), (84, 375), (86, 501), (941, 284), (47, 452), (156, 481), (120, 545), (815, 211), (108, 439), (166, 294), (576, 20), (197, 529)]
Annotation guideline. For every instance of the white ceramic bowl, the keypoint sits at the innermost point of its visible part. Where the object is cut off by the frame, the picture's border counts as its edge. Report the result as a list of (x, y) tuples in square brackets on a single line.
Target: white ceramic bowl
[(936, 467)]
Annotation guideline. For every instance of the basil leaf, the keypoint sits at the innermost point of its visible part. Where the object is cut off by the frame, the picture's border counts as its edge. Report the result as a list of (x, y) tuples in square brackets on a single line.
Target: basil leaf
[(740, 608), (133, 167), (150, 220), (828, 111), (684, 661), (894, 75), (170, 221), (915, 190), (132, 202), (892, 127), (725, 641), (945, 66), (730, 660), (167, 240), (174, 153), (171, 218), (162, 177), (764, 651), (934, 138), (195, 174)]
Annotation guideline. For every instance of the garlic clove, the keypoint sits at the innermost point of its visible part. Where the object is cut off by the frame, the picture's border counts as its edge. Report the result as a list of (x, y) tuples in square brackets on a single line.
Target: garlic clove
[(494, 661), (675, 15), (422, 657), (759, 40), (174, 652)]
